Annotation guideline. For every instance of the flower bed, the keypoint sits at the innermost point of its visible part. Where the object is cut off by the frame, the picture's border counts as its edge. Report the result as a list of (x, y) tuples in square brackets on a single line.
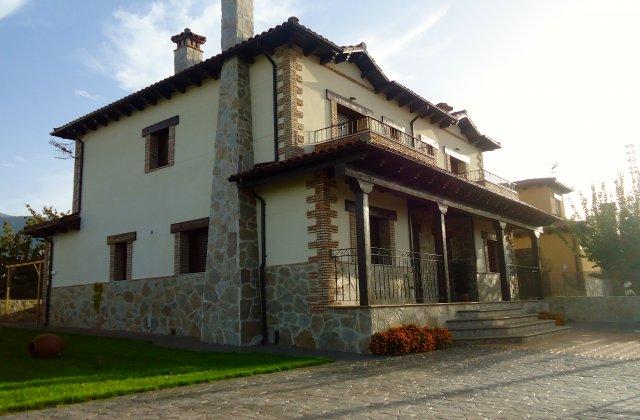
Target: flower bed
[(409, 339)]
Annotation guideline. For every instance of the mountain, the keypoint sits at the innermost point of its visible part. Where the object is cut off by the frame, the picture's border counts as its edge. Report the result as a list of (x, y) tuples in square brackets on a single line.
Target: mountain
[(16, 222)]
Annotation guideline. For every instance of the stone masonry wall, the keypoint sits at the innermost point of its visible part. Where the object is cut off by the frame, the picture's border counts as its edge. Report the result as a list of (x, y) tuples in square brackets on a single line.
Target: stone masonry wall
[(289, 290), (231, 306), (164, 305)]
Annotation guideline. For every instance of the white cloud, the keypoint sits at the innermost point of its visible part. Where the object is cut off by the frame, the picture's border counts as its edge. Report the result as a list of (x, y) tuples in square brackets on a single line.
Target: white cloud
[(8, 7), (84, 94), (137, 49), (384, 48)]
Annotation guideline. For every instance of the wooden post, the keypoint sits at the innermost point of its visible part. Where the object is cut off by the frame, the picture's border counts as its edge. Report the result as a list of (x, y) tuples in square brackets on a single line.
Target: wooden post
[(416, 259), (444, 289), (361, 190), (7, 290), (500, 226), (535, 253)]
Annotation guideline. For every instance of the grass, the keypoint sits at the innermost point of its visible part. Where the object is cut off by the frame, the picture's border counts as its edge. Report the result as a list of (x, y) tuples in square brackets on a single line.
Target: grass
[(97, 367)]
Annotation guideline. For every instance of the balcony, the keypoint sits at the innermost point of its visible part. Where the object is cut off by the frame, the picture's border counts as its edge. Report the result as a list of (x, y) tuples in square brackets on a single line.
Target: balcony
[(493, 182), (376, 132)]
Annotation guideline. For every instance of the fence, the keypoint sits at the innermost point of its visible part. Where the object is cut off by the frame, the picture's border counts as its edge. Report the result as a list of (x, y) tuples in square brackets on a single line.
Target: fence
[(593, 284), (396, 276)]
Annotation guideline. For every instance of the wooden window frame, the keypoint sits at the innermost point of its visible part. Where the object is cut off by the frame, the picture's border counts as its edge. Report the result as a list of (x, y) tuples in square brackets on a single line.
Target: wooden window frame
[(116, 242), (182, 232), (151, 135)]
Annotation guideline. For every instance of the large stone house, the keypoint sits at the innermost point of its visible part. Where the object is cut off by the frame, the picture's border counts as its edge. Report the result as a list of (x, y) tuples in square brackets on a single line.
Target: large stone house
[(284, 190)]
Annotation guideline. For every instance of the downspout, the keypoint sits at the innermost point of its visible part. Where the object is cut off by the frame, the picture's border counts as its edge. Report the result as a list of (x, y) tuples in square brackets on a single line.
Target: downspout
[(263, 263), (80, 171), (411, 126), (274, 72), (47, 304)]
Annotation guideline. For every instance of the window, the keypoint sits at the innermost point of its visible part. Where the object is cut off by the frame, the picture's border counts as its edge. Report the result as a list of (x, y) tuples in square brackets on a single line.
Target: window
[(191, 246), (194, 250), (120, 261), (381, 241), (159, 144), (556, 205), (159, 149), (457, 166), (493, 265), (347, 120), (120, 255)]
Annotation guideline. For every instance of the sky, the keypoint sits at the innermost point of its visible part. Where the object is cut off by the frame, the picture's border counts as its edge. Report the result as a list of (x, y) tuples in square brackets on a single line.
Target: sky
[(552, 80)]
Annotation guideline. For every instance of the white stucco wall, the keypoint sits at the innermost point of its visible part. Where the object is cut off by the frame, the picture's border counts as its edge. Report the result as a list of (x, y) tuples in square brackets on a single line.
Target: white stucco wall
[(286, 221), (118, 196), (317, 78), (376, 199), (261, 77)]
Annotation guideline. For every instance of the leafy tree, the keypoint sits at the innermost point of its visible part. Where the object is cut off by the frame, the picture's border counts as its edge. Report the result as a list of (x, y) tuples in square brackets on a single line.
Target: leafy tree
[(610, 231), (16, 247)]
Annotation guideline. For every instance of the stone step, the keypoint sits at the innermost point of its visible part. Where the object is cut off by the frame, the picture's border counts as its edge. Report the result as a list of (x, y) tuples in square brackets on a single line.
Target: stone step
[(521, 338), (488, 313), (495, 321), (501, 331)]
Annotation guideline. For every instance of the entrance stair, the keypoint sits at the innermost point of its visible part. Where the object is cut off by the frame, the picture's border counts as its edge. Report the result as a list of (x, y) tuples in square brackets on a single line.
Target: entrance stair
[(499, 325)]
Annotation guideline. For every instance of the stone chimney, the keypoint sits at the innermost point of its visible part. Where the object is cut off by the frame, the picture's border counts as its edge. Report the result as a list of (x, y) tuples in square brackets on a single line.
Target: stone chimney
[(237, 22), (187, 52)]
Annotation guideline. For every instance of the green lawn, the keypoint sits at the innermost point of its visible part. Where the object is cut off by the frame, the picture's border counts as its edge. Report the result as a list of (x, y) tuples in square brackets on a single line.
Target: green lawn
[(96, 367)]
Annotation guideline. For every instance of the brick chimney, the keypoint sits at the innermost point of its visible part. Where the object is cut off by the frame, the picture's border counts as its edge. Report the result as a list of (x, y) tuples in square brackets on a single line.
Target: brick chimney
[(187, 52), (237, 22)]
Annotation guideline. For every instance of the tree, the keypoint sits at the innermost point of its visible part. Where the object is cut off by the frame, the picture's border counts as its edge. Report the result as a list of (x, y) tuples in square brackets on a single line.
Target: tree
[(610, 231), (16, 247)]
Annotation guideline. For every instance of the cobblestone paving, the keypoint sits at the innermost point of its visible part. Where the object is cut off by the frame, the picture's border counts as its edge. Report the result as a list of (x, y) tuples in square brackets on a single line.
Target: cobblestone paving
[(463, 382)]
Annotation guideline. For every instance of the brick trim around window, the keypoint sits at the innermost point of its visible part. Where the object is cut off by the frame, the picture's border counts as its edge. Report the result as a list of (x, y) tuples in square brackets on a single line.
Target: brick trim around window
[(120, 247), (151, 151), (181, 248)]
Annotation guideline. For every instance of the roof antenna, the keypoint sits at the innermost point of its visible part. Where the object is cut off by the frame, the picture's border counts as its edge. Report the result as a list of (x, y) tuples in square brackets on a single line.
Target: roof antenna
[(554, 169), (64, 149)]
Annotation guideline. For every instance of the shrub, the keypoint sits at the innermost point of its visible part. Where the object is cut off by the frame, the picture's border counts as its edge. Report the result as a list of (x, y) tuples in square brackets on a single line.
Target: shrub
[(548, 315), (442, 338), (409, 339)]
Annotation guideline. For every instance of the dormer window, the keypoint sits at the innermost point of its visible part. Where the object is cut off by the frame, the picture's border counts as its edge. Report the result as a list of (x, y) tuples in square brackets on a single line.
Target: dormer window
[(160, 144)]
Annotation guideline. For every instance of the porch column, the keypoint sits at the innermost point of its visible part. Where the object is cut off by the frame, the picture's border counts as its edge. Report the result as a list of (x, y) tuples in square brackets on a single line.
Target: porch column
[(500, 226), (535, 253), (444, 289), (361, 189)]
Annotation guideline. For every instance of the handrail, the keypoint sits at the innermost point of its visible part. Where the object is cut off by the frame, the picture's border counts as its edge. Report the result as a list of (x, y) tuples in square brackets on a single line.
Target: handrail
[(491, 180), (373, 125)]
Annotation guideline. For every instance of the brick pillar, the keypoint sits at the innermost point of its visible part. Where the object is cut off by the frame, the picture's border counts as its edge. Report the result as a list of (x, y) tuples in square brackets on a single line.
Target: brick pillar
[(289, 91)]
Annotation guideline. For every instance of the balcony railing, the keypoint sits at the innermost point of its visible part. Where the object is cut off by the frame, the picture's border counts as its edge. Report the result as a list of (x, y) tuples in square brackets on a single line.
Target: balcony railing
[(372, 125), (493, 182), (396, 276)]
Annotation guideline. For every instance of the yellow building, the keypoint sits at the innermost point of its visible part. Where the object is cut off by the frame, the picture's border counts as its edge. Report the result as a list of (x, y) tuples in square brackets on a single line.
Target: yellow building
[(564, 271)]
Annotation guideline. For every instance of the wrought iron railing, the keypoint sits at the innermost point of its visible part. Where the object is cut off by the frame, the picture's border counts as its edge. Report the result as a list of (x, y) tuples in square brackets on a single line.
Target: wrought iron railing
[(525, 282), (396, 276), (493, 182), (375, 126)]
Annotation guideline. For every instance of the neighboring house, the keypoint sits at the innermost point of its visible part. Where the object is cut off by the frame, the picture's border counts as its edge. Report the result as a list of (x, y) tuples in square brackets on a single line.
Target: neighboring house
[(564, 270), (283, 190)]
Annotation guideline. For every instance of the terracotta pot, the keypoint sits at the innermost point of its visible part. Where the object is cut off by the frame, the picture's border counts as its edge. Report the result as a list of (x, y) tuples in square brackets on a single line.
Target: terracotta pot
[(45, 346)]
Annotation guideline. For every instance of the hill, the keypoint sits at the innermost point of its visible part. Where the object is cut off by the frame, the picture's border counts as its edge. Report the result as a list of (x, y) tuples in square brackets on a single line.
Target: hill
[(16, 222)]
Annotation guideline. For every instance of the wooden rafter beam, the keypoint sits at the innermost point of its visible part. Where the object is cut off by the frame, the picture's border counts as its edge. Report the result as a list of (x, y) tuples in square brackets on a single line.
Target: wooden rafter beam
[(327, 58), (309, 50)]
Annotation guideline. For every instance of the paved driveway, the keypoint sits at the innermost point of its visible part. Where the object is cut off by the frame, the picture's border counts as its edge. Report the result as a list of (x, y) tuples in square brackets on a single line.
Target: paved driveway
[(583, 373)]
